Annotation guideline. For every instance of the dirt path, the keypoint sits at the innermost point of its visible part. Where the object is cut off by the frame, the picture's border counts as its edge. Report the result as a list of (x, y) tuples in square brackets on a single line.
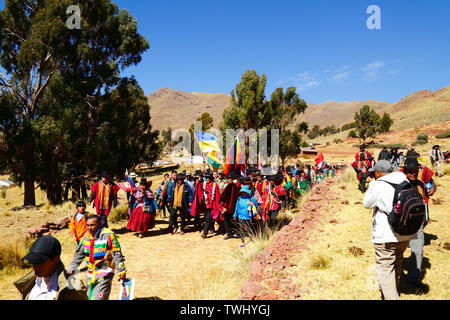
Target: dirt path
[(267, 280)]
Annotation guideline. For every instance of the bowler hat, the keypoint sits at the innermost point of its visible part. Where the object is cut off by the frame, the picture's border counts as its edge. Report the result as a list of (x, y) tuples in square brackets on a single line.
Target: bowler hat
[(411, 163)]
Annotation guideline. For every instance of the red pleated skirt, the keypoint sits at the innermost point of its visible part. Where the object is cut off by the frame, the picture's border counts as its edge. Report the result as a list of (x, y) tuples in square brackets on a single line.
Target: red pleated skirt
[(141, 221)]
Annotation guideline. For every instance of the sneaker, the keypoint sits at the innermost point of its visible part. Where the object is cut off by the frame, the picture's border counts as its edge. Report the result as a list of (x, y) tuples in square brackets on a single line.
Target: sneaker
[(181, 233), (227, 237), (174, 230), (204, 236)]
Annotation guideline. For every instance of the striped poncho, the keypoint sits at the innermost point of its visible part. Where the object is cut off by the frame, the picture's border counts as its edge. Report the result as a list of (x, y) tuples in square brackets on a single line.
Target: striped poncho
[(93, 250)]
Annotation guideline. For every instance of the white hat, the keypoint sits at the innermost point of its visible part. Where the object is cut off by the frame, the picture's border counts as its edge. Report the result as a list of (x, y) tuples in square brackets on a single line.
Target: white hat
[(133, 175)]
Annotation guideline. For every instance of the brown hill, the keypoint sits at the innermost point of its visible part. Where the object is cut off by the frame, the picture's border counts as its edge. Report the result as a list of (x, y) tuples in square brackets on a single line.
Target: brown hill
[(338, 113), (179, 109)]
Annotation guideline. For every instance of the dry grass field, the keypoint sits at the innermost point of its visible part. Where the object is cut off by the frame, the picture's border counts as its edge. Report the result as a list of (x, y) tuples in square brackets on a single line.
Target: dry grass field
[(340, 262), (338, 265)]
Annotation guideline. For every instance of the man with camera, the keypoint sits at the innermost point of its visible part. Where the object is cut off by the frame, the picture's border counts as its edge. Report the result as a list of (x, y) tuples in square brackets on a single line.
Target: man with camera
[(389, 246)]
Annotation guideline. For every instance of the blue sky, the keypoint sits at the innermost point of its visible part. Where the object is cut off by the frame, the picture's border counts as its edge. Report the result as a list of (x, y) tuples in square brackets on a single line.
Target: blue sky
[(322, 47)]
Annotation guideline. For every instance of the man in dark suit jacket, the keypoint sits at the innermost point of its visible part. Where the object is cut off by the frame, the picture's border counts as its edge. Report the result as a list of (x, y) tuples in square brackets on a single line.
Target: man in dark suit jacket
[(181, 196)]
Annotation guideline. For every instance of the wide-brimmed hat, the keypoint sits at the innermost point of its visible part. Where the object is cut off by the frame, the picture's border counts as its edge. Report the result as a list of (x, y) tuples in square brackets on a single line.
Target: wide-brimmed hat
[(208, 174), (436, 146), (133, 175), (411, 163)]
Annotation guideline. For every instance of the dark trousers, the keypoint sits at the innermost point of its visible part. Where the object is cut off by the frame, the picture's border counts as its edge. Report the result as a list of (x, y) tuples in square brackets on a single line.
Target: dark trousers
[(104, 220), (173, 222), (209, 222), (273, 218), (164, 206), (229, 225)]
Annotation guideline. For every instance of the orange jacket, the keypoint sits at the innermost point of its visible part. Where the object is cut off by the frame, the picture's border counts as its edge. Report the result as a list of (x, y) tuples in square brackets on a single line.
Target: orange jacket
[(78, 228)]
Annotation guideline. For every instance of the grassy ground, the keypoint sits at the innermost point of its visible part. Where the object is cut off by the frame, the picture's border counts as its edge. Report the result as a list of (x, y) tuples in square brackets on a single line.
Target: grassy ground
[(340, 262)]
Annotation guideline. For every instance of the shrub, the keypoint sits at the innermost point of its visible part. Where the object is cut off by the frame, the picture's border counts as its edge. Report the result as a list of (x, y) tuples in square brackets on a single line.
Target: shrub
[(419, 142), (352, 134), (12, 252), (119, 214), (320, 262), (443, 135), (337, 140), (423, 136)]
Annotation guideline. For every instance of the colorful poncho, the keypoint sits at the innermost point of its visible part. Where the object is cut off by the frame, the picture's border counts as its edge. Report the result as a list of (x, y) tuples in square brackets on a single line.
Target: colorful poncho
[(103, 195)]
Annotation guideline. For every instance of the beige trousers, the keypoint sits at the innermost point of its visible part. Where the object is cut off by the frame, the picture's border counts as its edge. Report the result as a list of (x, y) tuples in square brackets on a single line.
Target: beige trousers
[(389, 258)]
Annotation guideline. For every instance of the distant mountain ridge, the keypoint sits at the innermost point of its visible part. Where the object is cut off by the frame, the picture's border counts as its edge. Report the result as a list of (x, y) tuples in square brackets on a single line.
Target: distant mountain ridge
[(179, 109)]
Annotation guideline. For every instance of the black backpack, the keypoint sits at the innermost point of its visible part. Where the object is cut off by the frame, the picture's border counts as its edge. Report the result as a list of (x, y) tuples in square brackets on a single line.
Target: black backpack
[(408, 209)]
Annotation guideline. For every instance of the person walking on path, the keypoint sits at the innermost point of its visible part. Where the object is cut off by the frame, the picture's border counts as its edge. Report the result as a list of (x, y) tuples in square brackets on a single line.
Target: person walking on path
[(437, 159), (228, 199), (243, 212), (389, 246), (144, 209), (77, 226), (93, 249), (104, 197), (384, 154), (181, 196), (426, 187), (211, 195)]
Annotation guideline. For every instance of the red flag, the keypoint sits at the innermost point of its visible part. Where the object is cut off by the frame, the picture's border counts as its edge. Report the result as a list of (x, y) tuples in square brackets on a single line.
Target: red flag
[(320, 158)]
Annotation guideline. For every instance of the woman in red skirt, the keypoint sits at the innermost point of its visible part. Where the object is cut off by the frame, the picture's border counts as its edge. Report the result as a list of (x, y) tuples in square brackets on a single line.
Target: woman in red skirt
[(144, 209)]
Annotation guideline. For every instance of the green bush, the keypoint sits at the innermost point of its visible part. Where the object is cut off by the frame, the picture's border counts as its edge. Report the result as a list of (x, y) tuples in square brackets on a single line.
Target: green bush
[(443, 135), (352, 134), (419, 142), (423, 136)]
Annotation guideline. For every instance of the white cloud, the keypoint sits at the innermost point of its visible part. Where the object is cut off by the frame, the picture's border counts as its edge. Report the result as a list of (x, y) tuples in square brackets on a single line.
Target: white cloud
[(341, 76), (372, 69)]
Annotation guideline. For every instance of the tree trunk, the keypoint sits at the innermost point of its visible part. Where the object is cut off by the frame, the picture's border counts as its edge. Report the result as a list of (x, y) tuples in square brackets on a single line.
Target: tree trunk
[(29, 198), (84, 194)]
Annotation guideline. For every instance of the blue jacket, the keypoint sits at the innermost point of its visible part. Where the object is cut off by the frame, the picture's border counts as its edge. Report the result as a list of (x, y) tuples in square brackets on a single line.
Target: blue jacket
[(242, 205), (188, 195)]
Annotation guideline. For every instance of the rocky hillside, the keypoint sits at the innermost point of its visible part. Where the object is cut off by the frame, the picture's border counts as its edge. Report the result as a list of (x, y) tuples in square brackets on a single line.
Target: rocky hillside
[(179, 109)]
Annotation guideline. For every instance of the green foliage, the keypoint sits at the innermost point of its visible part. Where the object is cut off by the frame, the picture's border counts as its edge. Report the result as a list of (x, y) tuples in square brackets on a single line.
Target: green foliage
[(419, 142), (367, 122), (443, 135), (348, 126), (314, 132), (423, 136), (250, 110), (385, 123), (66, 112), (337, 140), (352, 134)]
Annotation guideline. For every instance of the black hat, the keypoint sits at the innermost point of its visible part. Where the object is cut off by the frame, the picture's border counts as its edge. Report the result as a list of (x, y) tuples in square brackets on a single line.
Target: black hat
[(231, 175), (42, 249), (208, 174), (180, 176), (436, 146), (105, 174), (412, 154), (362, 146), (247, 180), (81, 204), (143, 181), (411, 163)]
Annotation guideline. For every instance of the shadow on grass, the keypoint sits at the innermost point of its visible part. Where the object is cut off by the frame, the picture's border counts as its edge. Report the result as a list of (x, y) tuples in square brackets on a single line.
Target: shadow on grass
[(406, 287)]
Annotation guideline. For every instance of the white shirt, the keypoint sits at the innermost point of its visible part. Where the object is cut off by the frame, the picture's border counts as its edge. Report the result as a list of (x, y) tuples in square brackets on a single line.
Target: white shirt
[(45, 288), (381, 195)]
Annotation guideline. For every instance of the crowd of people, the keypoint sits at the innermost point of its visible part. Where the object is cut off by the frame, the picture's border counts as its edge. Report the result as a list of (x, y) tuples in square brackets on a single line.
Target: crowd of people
[(213, 202), (235, 205)]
